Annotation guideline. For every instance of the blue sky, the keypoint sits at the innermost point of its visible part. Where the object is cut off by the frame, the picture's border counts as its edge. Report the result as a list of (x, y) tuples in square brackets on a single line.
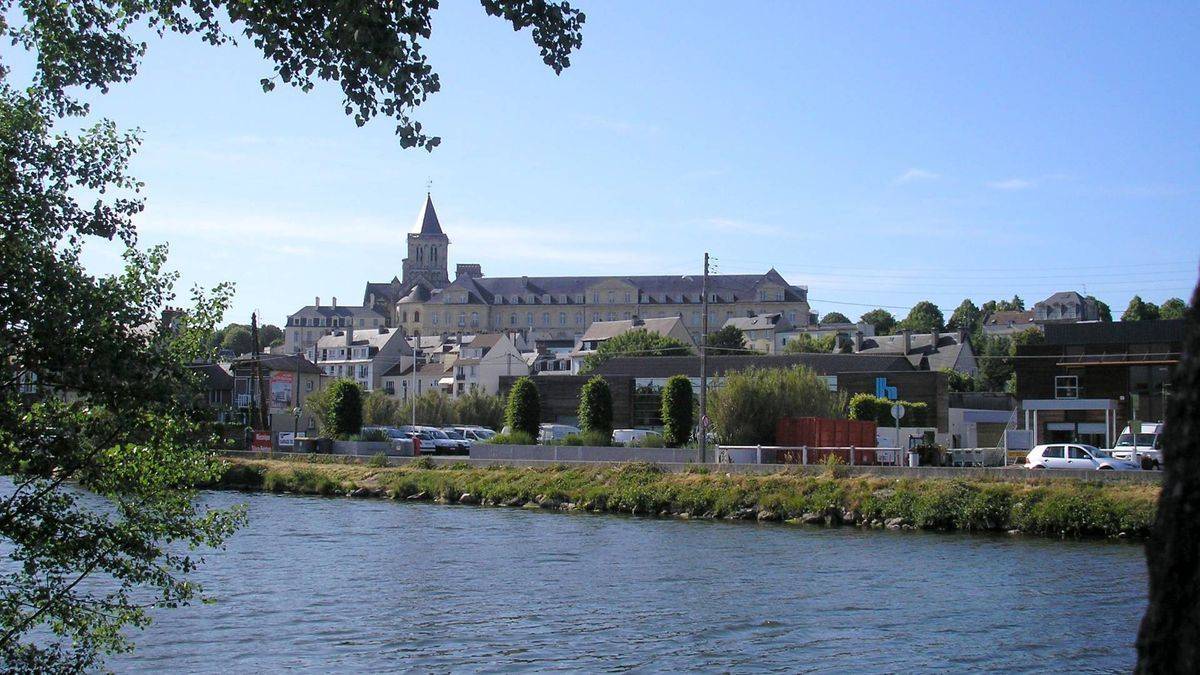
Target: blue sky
[(880, 154)]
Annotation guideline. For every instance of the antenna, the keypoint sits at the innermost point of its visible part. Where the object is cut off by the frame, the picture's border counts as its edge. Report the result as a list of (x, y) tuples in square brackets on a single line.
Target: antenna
[(428, 186)]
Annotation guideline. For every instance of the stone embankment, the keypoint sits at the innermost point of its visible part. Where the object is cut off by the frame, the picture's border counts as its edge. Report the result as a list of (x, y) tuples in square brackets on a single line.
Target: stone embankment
[(1045, 506)]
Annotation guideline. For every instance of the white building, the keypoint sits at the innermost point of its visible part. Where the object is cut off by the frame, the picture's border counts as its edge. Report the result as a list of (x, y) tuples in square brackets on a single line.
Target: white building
[(311, 323), (483, 360), (361, 355)]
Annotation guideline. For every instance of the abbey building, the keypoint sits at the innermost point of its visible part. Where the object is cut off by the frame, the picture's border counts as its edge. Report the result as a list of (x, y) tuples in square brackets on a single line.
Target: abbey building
[(426, 300)]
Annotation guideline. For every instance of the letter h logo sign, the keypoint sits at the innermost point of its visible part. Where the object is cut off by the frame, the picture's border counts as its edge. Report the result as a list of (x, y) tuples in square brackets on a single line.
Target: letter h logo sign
[(882, 390)]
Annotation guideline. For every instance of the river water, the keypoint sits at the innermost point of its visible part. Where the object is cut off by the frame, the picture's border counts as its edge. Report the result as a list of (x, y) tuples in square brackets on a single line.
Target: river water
[(336, 584)]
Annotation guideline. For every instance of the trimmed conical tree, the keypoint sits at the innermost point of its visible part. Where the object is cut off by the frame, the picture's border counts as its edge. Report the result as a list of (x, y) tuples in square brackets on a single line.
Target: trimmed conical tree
[(524, 410), (596, 406), (677, 410), (345, 408)]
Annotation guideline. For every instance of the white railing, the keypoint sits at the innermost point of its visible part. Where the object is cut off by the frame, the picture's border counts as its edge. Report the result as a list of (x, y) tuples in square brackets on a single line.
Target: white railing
[(805, 455)]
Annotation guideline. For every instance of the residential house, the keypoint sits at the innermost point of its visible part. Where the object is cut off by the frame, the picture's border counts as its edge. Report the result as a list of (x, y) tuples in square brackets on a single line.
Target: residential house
[(399, 381), (844, 332), (1087, 380), (1009, 323), (600, 332), (928, 351), (361, 355), (482, 361), (762, 331), (287, 382), (218, 389), (1066, 307)]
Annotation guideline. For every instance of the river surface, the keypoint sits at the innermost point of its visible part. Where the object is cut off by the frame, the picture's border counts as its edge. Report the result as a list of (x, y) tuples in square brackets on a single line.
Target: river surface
[(336, 584)]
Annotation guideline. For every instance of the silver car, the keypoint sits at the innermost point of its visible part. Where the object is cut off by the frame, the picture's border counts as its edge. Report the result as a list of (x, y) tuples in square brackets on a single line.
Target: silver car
[(1075, 456)]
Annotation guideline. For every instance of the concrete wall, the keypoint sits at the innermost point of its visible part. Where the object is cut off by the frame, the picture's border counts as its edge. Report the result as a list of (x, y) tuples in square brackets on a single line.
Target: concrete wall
[(569, 453)]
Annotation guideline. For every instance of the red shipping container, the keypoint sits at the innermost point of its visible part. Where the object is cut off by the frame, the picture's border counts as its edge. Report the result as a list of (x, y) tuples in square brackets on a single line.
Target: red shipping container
[(816, 432)]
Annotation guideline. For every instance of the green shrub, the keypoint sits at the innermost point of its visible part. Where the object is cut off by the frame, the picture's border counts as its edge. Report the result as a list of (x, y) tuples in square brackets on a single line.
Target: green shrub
[(586, 438), (378, 460), (422, 463), (344, 416), (513, 438), (523, 412), (381, 409), (596, 406), (879, 410), (434, 408), (677, 411), (478, 408), (747, 408)]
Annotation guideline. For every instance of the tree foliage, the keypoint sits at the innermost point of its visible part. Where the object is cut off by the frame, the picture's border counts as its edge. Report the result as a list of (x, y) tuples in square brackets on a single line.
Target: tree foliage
[(729, 341), (966, 317), (523, 413), (345, 414), (747, 407), (237, 338), (434, 408), (379, 409), (596, 406), (678, 411), (881, 319), (1172, 308), (834, 317), (477, 408), (96, 391), (1102, 308), (808, 344), (640, 342), (995, 356), (923, 318), (1140, 310)]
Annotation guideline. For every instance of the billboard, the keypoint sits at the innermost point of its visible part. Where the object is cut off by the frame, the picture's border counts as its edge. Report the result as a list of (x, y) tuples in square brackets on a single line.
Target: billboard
[(282, 385)]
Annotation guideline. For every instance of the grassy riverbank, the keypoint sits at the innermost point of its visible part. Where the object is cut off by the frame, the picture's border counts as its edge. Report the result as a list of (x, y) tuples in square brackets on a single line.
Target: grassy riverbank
[(1045, 507)]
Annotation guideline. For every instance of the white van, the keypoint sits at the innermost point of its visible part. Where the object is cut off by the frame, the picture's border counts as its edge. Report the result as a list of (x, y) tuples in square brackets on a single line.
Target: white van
[(628, 436), (555, 432), (1147, 445)]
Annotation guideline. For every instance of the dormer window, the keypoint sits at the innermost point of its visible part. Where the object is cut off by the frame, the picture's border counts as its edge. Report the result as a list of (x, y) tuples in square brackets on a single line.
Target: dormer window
[(546, 298), (530, 299)]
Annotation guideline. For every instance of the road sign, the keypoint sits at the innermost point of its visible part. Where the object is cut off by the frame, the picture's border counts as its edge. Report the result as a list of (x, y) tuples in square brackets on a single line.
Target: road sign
[(897, 411)]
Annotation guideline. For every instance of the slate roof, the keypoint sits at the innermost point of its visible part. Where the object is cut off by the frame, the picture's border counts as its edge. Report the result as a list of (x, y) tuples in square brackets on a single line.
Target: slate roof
[(282, 362), (329, 311), (944, 355), (822, 364), (758, 322), (604, 330), (484, 341), (375, 337), (215, 375), (1062, 297), (1009, 318), (424, 370), (1115, 332), (427, 220)]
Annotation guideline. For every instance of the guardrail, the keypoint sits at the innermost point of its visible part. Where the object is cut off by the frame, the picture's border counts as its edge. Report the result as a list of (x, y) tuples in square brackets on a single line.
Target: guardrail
[(805, 455)]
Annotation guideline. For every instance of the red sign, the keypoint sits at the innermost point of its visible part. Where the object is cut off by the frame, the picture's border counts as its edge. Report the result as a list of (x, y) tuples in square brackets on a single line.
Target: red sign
[(262, 441)]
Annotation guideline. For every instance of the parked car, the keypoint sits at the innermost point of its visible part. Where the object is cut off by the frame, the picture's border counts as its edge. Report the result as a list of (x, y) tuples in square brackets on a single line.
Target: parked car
[(442, 443), (456, 434), (1148, 446), (401, 440), (476, 434), (628, 436), (555, 432), (1074, 456)]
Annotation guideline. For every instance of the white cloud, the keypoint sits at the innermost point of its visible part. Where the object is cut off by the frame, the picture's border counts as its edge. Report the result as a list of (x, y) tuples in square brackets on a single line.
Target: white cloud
[(1011, 184), (915, 174)]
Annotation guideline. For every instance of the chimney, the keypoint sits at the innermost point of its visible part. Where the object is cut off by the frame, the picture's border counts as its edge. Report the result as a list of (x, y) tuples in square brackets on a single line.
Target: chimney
[(335, 302), (317, 301), (934, 336), (907, 335), (858, 337), (349, 333)]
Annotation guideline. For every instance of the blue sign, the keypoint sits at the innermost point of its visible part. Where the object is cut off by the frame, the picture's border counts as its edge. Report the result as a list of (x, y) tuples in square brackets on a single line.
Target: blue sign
[(882, 390)]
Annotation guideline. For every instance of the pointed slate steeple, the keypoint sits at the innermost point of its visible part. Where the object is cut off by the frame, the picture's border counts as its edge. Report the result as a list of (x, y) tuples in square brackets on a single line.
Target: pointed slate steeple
[(427, 220)]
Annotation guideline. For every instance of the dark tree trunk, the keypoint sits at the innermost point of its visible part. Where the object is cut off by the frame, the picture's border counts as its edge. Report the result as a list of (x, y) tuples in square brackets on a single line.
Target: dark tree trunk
[(1169, 638)]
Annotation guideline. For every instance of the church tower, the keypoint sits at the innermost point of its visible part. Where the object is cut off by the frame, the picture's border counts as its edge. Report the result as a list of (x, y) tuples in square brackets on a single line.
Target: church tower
[(427, 250)]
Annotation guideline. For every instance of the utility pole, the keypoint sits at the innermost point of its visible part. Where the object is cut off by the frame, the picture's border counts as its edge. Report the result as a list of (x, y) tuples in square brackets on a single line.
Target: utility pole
[(261, 388), (704, 366)]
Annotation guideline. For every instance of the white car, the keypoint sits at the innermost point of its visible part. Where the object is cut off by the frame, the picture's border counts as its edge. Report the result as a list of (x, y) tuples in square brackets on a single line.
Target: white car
[(1074, 456), (1148, 448), (476, 434), (627, 436)]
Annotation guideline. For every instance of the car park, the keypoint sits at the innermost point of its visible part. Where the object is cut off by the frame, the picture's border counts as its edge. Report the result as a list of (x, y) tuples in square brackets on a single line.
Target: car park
[(1074, 456)]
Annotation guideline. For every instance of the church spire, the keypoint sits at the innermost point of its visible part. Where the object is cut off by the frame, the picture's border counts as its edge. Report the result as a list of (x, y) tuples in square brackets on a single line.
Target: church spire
[(427, 220)]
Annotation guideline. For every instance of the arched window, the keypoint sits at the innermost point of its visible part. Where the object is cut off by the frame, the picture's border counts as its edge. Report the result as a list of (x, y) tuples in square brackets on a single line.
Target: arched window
[(404, 317), (529, 318), (474, 318), (433, 254), (416, 316), (420, 253)]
